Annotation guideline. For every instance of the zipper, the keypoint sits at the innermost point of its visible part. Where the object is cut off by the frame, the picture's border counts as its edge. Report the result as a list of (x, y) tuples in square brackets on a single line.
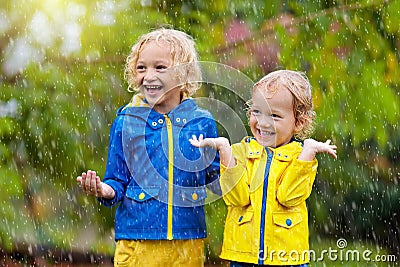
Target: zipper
[(170, 175), (264, 208)]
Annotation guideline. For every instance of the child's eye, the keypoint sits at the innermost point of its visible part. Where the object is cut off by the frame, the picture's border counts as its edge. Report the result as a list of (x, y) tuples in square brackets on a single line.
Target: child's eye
[(140, 68), (255, 112), (275, 116), (161, 67)]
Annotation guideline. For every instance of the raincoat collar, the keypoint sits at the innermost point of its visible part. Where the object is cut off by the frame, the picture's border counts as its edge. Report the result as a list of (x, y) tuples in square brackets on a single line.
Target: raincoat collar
[(139, 107), (139, 101), (255, 150)]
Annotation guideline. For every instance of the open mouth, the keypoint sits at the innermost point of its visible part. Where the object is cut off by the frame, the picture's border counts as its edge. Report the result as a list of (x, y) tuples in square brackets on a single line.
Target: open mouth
[(265, 133), (152, 89)]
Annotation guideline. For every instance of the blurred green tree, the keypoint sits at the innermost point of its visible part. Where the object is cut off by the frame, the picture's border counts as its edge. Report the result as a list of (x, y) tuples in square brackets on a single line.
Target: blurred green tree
[(62, 81)]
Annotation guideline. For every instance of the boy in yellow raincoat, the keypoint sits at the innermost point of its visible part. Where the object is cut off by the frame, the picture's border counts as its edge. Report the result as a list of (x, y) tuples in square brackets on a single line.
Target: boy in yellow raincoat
[(267, 178)]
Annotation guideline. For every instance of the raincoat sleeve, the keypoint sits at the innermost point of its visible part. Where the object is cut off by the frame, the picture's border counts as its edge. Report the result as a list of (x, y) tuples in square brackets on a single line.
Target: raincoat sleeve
[(235, 181), (297, 181), (117, 172)]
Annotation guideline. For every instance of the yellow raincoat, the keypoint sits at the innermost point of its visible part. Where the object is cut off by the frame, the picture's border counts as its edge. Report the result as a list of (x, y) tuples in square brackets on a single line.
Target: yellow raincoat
[(267, 221)]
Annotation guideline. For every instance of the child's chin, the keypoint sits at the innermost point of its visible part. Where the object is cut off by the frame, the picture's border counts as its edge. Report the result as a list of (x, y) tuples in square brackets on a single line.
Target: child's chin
[(153, 100), (264, 142)]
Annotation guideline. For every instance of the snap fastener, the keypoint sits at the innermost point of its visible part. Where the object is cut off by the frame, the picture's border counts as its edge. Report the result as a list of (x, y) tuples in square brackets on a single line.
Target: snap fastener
[(195, 196), (160, 121), (279, 154), (178, 119), (184, 120), (154, 123), (258, 152), (142, 195), (288, 222)]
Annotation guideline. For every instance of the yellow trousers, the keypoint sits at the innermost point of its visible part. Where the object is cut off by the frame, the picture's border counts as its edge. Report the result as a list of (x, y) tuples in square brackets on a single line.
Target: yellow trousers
[(159, 253)]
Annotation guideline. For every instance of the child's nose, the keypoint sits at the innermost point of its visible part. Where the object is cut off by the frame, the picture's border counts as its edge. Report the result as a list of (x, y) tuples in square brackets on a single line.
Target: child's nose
[(265, 121), (150, 74)]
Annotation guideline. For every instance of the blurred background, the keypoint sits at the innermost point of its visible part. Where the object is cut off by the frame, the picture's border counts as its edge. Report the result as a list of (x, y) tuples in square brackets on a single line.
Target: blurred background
[(61, 82)]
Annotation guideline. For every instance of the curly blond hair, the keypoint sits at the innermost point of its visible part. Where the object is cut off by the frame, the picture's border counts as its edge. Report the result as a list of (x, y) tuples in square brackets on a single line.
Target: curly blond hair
[(298, 84), (183, 53)]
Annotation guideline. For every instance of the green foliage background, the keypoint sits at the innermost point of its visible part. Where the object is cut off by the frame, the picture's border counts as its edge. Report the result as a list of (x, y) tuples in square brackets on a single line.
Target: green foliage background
[(66, 101)]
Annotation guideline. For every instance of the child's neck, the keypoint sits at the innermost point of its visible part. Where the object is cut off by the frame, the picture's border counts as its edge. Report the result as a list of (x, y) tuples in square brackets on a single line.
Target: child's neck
[(165, 108)]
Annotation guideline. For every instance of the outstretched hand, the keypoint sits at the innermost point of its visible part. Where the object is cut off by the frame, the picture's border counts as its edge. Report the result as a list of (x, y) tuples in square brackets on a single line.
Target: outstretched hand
[(312, 147), (220, 143), (201, 142), (92, 185)]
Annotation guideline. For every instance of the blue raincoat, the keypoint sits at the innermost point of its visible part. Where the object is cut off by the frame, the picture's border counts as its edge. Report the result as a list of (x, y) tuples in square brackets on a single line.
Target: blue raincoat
[(159, 178)]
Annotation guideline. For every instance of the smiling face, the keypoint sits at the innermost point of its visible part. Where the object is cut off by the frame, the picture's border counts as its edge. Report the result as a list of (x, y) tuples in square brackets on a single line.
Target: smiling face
[(155, 78), (272, 119)]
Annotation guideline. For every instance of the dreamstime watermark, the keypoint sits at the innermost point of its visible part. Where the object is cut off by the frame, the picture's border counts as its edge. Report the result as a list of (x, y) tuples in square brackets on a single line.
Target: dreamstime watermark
[(338, 253)]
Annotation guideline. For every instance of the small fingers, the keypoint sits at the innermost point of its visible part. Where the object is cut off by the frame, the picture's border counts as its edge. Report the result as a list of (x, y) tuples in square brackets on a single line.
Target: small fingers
[(194, 138), (98, 187), (92, 182), (87, 182), (203, 142), (326, 147), (196, 141), (83, 181), (332, 151)]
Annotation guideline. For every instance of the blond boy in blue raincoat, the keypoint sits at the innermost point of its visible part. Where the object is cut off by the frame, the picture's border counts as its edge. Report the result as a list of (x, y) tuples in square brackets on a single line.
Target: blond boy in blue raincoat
[(154, 175)]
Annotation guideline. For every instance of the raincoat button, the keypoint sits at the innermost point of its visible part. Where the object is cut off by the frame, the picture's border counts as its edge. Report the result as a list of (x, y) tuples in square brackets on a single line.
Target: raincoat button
[(184, 120), (160, 121), (178, 119), (141, 196), (288, 222), (195, 196), (154, 123)]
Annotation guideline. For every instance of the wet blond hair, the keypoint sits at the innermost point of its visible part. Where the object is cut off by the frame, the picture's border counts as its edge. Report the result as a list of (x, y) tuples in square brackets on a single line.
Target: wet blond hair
[(184, 59), (298, 84)]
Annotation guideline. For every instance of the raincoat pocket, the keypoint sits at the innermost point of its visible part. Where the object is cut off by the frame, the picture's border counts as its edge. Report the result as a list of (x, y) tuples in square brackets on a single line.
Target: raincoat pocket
[(245, 218), (287, 219), (239, 230), (140, 206), (290, 231), (142, 194), (189, 197)]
